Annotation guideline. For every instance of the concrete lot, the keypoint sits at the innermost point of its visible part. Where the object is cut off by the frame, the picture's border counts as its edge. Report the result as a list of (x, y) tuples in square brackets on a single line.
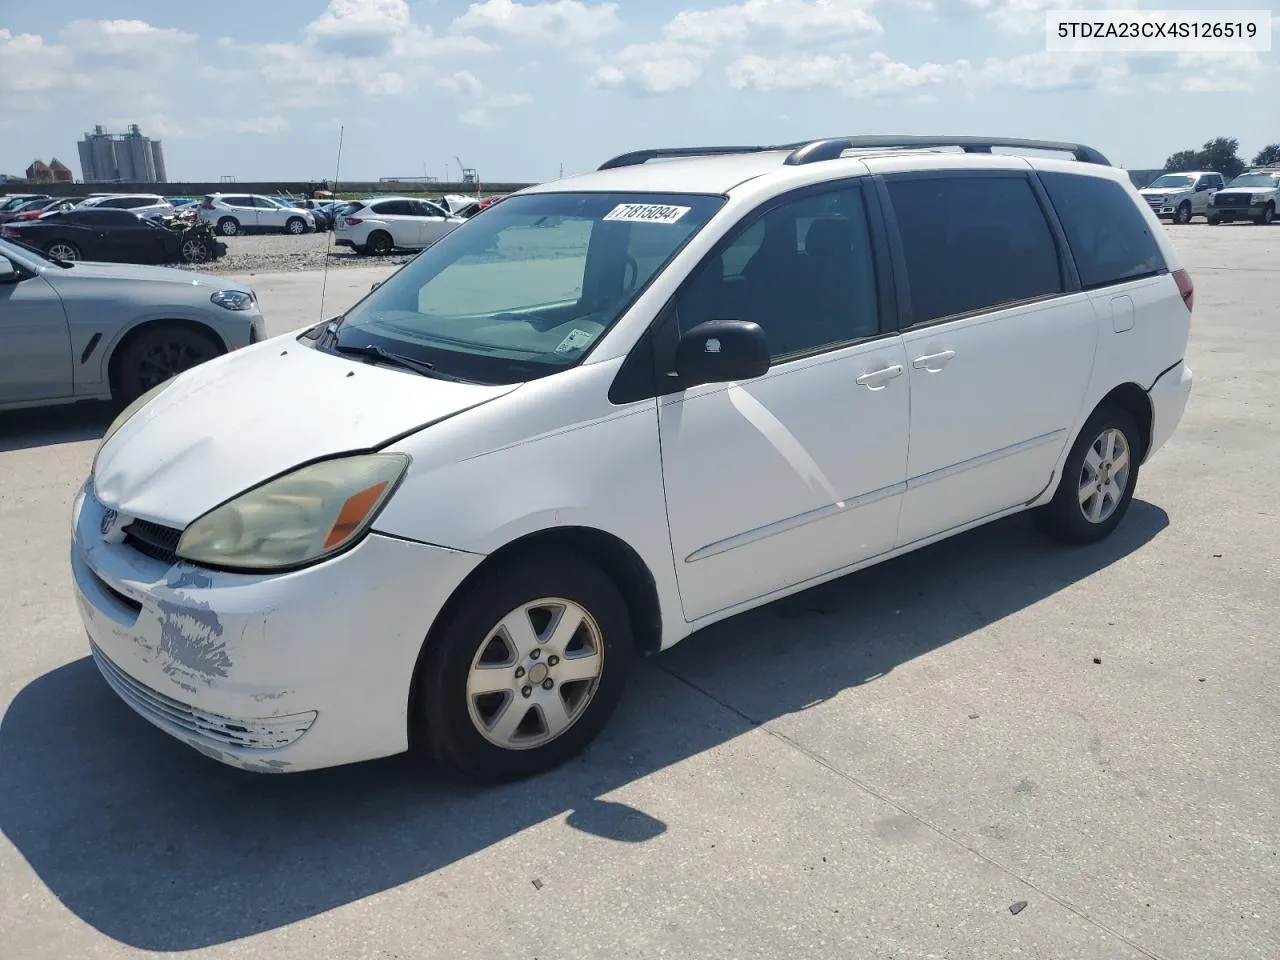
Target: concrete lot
[(877, 768)]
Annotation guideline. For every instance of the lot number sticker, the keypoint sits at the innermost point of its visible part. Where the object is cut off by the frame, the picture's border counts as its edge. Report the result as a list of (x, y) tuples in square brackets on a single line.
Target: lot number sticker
[(576, 338), (646, 213)]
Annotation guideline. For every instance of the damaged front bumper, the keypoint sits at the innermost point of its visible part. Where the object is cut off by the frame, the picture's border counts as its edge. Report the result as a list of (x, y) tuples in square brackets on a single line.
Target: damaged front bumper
[(272, 673)]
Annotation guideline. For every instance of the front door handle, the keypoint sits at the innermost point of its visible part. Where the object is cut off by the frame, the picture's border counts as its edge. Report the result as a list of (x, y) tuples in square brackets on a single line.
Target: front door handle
[(876, 379), (933, 362)]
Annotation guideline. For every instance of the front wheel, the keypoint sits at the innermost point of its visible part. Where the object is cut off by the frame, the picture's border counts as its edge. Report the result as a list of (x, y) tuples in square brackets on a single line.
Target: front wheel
[(159, 353), (1268, 215), (526, 670), (1183, 213), (1098, 479), (196, 250), (1213, 219)]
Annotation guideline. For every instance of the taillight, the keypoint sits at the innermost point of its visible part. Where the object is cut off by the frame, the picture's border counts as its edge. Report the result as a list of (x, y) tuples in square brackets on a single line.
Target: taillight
[(8, 231), (1185, 287), (352, 221)]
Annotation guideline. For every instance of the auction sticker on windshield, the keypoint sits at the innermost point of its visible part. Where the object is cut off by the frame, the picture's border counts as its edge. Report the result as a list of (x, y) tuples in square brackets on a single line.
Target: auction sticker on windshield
[(646, 213)]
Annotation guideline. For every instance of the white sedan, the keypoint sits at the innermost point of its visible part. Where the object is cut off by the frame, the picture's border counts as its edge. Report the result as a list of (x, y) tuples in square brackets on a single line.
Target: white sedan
[(382, 224)]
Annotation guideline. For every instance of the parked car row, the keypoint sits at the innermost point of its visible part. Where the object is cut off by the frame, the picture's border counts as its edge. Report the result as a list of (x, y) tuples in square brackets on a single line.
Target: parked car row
[(1204, 193)]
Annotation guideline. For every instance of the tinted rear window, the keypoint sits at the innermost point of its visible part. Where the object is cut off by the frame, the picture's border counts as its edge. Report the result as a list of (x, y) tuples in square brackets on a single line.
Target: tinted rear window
[(1109, 236), (100, 217), (973, 243)]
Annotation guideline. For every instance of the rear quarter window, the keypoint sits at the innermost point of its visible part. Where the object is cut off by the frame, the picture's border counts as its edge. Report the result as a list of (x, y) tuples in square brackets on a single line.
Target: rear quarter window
[(1110, 238)]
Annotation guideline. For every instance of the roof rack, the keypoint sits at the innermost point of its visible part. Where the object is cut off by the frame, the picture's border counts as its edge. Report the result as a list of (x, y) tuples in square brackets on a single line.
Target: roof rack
[(636, 157), (815, 151), (830, 149)]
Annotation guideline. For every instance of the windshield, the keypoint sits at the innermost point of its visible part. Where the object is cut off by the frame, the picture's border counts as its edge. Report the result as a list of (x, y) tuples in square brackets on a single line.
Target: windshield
[(527, 289), (1256, 180), (1171, 180)]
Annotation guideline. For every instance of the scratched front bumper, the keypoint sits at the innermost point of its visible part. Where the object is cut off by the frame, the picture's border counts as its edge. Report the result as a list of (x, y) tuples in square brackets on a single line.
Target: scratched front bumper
[(272, 673)]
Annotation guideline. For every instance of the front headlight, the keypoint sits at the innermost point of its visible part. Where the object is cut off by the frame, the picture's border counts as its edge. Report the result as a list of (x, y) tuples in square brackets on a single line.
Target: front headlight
[(298, 518), (1258, 197), (233, 299), (125, 416)]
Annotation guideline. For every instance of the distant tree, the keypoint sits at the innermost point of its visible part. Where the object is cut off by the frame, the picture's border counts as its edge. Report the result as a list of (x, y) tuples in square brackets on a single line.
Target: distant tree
[(1221, 154), (1182, 160), (1268, 154)]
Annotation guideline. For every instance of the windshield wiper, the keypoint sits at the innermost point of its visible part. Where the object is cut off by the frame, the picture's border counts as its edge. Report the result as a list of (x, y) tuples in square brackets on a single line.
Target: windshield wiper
[(395, 359)]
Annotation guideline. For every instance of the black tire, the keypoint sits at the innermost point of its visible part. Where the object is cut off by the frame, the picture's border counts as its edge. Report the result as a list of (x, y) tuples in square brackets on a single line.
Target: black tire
[(196, 250), (1213, 219), (379, 243), (296, 225), (444, 717), (1064, 517), (228, 226), (63, 250), (158, 353), (1183, 213), (1268, 215)]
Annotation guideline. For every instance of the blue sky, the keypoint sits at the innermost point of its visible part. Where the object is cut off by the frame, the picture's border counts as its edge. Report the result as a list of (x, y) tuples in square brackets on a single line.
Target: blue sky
[(258, 88)]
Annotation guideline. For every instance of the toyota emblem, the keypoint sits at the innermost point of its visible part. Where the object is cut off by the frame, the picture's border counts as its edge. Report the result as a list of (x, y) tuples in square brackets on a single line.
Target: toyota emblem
[(108, 522)]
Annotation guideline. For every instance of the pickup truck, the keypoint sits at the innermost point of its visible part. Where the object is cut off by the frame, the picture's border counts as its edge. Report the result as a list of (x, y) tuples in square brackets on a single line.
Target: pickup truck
[(1181, 196)]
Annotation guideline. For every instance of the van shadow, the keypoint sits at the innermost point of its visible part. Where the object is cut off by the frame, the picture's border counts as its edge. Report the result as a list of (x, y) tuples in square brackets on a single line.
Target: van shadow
[(47, 426), (163, 850)]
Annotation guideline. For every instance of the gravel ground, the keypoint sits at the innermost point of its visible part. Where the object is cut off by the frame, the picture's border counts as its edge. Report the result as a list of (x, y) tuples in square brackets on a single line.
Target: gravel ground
[(282, 253)]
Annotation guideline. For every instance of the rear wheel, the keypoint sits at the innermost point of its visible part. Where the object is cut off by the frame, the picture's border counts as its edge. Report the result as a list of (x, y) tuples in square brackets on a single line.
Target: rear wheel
[(379, 243), (159, 353), (296, 225), (63, 250), (228, 226), (526, 670), (1098, 479), (1183, 213)]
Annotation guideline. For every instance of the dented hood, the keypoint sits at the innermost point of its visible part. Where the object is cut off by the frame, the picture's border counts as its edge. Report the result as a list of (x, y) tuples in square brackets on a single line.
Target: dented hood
[(243, 418)]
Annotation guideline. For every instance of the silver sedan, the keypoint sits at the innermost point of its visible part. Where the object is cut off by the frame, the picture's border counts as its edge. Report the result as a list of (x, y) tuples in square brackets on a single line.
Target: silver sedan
[(102, 331)]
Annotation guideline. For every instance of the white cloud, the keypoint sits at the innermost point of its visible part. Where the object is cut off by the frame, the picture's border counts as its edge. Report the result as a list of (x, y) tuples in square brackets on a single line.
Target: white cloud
[(793, 21), (263, 126), (1023, 16), (1047, 71), (359, 27), (558, 21), (462, 82), (874, 76), (482, 115), (653, 68)]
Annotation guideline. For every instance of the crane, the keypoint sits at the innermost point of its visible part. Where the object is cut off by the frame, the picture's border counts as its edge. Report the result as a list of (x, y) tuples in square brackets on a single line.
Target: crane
[(468, 173)]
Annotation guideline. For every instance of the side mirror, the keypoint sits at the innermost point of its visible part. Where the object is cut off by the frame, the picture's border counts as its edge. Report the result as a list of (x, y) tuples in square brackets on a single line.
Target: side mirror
[(720, 351), (8, 272)]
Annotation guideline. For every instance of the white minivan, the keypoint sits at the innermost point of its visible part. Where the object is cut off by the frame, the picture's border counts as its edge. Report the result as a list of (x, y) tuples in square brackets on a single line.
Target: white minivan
[(610, 411)]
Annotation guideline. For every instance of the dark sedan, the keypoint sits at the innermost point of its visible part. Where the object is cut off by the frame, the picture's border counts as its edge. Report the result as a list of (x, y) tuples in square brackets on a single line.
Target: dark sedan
[(93, 233)]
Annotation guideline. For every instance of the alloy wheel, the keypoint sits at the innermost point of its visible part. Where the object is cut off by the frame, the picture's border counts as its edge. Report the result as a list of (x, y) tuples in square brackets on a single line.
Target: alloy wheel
[(166, 360), (63, 251), (1104, 475), (535, 673)]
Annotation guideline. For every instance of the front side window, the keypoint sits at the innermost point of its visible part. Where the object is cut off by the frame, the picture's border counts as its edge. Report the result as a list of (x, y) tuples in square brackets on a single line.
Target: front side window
[(973, 244), (526, 290), (803, 270), (1109, 237)]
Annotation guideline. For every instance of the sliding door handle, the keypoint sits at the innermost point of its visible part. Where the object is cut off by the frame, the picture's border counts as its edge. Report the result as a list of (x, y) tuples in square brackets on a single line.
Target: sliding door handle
[(933, 361), (878, 378)]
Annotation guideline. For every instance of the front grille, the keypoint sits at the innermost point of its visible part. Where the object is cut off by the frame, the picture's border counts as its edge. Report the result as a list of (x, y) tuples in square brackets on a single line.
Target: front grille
[(1156, 201), (1231, 199), (154, 540), (270, 733)]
